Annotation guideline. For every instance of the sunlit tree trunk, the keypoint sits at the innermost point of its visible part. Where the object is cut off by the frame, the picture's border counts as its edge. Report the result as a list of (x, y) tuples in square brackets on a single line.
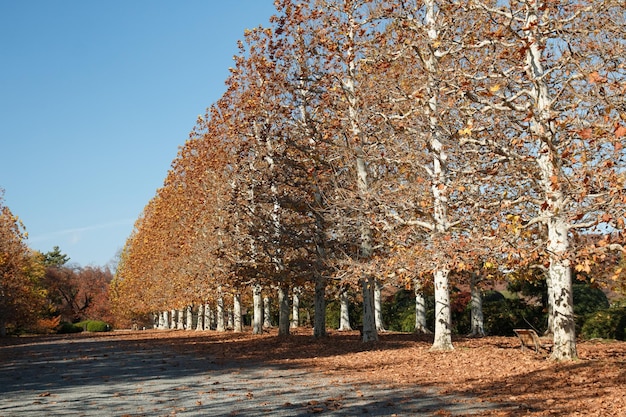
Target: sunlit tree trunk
[(180, 316), (420, 308), (555, 204), (443, 318), (220, 327), (237, 322), (207, 316), (189, 315), (200, 322), (295, 310), (439, 179), (230, 319), (378, 308), (257, 317), (267, 313), (344, 312)]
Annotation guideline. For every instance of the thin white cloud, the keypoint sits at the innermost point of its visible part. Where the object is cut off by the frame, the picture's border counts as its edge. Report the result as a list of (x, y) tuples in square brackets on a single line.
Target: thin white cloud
[(76, 232)]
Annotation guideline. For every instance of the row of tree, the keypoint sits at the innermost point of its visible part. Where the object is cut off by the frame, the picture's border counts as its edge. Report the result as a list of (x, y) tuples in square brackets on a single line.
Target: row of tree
[(363, 142), (39, 291)]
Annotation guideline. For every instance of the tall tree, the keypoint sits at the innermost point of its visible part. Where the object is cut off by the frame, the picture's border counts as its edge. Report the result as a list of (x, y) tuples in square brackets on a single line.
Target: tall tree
[(21, 297), (557, 82)]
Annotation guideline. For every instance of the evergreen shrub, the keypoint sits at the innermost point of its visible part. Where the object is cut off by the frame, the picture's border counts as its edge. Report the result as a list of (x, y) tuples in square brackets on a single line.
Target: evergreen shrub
[(606, 324), (94, 326), (65, 328)]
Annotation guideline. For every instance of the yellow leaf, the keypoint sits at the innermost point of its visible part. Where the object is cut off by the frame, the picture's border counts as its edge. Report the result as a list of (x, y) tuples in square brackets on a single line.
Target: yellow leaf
[(494, 88), (465, 132)]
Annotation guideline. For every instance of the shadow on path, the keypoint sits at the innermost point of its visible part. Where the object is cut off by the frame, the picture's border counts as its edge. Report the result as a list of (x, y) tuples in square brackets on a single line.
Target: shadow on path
[(107, 376)]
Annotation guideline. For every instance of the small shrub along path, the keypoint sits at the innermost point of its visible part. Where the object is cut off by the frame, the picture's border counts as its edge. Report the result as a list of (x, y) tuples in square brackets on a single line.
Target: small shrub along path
[(160, 373)]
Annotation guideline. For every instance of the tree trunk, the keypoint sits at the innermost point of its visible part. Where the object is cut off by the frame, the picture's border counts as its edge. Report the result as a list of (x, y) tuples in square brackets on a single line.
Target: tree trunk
[(443, 331), (200, 322), (283, 310), (562, 291), (189, 313), (220, 311), (267, 317), (237, 323), (173, 319), (207, 316), (295, 310), (180, 324), (369, 322), (3, 328), (476, 302), (344, 314), (554, 206), (319, 326), (378, 308), (420, 308), (257, 318), (550, 306), (230, 319)]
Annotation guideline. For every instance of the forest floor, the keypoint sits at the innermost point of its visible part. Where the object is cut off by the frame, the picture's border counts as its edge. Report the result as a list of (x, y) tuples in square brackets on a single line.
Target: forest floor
[(493, 371)]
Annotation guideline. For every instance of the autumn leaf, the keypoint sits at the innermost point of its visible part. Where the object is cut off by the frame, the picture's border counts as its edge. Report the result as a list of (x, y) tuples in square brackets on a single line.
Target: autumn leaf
[(595, 77), (619, 132), (585, 133)]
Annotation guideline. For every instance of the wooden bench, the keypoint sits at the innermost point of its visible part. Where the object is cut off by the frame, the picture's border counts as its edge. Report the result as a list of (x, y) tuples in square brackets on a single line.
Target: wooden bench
[(530, 340)]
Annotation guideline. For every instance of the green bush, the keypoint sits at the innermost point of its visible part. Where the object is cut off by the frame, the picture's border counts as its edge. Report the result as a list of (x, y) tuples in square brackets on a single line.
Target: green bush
[(94, 326), (587, 300), (501, 317), (399, 312), (333, 311), (65, 328), (606, 324)]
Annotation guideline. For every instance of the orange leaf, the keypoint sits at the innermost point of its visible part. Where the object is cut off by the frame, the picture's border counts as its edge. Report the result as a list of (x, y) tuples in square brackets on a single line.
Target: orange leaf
[(595, 77), (619, 132)]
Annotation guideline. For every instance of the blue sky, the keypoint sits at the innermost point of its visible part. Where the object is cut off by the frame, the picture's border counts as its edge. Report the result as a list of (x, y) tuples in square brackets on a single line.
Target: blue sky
[(95, 99)]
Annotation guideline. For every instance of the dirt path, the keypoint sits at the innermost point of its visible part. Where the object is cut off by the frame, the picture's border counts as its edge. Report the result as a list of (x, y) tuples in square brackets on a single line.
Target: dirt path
[(114, 376)]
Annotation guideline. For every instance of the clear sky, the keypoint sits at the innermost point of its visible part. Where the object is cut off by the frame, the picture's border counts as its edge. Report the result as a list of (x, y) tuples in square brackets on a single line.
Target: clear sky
[(95, 99)]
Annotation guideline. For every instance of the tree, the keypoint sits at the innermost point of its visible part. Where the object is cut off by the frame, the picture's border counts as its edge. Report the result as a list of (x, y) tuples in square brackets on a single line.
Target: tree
[(557, 84), (21, 296)]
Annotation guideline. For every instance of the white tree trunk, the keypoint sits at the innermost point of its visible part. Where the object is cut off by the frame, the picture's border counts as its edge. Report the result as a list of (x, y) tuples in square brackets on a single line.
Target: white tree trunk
[(220, 327), (173, 319), (283, 310), (554, 205), (189, 315), (378, 308), (476, 306), (295, 309), (443, 331), (267, 317), (439, 188), (180, 323), (344, 313), (257, 318), (319, 325), (420, 308), (230, 319), (200, 322), (550, 329), (207, 316), (237, 323)]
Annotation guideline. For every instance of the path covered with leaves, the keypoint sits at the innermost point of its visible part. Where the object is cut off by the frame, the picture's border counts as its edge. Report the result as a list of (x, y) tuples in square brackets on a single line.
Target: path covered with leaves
[(180, 372)]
